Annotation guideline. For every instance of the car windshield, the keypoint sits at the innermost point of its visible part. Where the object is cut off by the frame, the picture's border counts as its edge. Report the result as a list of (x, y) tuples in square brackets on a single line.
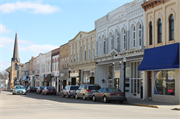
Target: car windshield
[(94, 87), (74, 88), (50, 88), (20, 87), (113, 90)]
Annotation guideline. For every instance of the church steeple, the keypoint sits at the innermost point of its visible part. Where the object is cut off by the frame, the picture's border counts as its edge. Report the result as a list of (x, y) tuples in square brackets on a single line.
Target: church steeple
[(15, 53)]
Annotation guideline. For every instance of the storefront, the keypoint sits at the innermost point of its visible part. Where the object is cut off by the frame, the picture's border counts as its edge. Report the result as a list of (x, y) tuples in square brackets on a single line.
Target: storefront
[(162, 74), (55, 80), (64, 76), (74, 77), (47, 80), (88, 77), (25, 81)]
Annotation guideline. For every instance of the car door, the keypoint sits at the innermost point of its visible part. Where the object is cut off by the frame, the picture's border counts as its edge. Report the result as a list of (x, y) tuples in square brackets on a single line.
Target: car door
[(97, 95), (104, 91), (79, 91)]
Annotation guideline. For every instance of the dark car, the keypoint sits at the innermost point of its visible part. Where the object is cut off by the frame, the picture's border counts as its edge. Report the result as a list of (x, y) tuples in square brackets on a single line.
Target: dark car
[(49, 90), (69, 90), (31, 89), (109, 94), (39, 89), (86, 91)]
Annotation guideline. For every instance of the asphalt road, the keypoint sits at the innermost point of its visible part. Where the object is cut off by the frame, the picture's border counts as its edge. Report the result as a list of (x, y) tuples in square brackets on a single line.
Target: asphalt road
[(35, 106)]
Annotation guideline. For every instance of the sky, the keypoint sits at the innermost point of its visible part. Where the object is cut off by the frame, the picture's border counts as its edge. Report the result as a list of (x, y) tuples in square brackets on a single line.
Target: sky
[(44, 25)]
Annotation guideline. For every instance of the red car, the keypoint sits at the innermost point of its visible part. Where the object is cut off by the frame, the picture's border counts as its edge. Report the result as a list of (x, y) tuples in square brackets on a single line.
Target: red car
[(31, 89), (49, 90)]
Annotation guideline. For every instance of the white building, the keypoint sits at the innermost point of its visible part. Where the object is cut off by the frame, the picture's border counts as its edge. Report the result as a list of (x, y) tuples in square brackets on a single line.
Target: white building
[(47, 78), (120, 34)]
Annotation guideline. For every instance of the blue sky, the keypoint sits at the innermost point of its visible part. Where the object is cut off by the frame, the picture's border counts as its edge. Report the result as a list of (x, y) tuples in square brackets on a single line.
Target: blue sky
[(43, 25)]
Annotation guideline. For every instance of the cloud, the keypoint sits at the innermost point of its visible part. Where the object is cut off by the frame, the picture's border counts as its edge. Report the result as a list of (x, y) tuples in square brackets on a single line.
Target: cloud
[(3, 29), (38, 48), (4, 65), (32, 7)]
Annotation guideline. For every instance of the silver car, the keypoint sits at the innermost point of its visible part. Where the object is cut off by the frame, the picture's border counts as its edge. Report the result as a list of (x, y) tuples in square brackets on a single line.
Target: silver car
[(19, 89), (69, 90), (109, 94), (86, 91)]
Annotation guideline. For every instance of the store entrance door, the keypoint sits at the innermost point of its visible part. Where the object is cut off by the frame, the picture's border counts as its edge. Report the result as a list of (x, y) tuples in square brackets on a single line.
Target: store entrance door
[(91, 80), (73, 82), (149, 84)]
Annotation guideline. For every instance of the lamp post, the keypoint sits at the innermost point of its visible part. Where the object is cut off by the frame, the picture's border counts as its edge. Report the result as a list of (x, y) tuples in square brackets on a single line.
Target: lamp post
[(69, 76), (124, 60)]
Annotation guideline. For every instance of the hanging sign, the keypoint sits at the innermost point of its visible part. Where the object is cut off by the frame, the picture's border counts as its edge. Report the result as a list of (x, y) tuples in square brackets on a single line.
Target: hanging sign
[(170, 77)]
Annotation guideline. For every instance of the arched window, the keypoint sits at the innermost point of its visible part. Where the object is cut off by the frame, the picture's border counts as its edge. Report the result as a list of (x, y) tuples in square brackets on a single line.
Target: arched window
[(112, 41), (117, 39), (171, 27), (124, 38), (100, 43), (140, 35), (104, 43), (134, 37), (159, 31), (150, 33)]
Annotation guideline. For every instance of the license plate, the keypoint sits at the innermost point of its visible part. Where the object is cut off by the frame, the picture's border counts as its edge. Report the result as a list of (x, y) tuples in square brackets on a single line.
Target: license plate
[(33, 89), (20, 91), (51, 90), (118, 95)]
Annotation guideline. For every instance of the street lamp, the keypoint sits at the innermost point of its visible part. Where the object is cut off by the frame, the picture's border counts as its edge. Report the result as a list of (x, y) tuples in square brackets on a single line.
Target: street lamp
[(69, 76), (124, 60)]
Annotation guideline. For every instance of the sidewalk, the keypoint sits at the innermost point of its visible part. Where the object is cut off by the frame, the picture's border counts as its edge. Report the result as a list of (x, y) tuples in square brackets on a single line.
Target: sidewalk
[(153, 104)]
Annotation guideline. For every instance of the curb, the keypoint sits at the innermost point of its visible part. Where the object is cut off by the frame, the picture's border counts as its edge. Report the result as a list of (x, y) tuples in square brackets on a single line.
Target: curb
[(145, 105), (176, 109)]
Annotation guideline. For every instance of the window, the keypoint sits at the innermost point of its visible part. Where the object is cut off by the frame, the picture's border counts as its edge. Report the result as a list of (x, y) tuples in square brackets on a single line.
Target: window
[(140, 35), (117, 38), (74, 58), (84, 53), (67, 61), (159, 31), (112, 42), (71, 59), (150, 33), (124, 38), (77, 57), (171, 27), (104, 42), (93, 51), (165, 82), (100, 42), (134, 37), (88, 52)]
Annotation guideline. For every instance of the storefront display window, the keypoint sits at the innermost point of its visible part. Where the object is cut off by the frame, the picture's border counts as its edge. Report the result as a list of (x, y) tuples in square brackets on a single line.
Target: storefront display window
[(165, 82)]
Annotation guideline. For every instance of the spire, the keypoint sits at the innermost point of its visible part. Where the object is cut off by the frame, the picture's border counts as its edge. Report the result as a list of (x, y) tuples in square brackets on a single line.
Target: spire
[(15, 53)]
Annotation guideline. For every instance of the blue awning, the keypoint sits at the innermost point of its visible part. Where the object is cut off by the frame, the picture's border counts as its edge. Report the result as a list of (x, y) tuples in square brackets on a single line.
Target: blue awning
[(164, 57), (24, 78)]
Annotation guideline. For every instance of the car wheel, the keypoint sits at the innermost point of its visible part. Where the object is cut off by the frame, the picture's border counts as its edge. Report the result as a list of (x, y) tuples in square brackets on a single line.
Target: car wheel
[(105, 99), (120, 101), (94, 98), (63, 95), (54, 94), (68, 96), (24, 93), (13, 93), (84, 97), (76, 96)]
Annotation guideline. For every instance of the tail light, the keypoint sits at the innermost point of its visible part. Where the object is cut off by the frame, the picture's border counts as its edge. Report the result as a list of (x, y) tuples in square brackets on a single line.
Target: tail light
[(122, 94), (69, 91), (89, 90), (112, 93)]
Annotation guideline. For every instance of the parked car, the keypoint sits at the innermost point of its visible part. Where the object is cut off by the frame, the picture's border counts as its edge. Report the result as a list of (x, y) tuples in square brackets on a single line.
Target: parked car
[(109, 94), (48, 90), (39, 89), (86, 90), (69, 90), (19, 89), (31, 89)]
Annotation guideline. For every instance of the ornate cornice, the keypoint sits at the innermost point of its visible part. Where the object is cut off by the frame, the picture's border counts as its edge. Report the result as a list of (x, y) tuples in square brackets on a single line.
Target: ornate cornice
[(152, 3)]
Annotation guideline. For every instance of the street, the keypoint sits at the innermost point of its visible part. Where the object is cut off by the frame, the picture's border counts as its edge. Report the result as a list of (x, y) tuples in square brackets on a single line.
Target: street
[(35, 106)]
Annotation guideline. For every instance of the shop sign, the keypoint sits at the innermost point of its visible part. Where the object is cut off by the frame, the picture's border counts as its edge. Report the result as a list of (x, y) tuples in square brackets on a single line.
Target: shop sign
[(170, 77), (62, 74), (74, 74)]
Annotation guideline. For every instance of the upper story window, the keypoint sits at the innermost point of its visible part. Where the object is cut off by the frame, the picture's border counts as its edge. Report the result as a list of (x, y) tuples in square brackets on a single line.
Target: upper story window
[(117, 39), (77, 57), (93, 51), (88, 52), (140, 37), (124, 39), (67, 61), (100, 43), (150, 33), (134, 37), (74, 58), (112, 41), (159, 31), (171, 27), (71, 59), (104, 43), (84, 53)]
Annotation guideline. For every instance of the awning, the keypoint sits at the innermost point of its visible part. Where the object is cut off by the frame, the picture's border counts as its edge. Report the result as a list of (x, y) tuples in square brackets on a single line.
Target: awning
[(164, 57), (25, 78), (47, 77)]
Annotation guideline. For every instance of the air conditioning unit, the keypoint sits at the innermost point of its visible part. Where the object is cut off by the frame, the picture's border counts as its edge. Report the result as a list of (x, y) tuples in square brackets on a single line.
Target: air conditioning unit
[(92, 73)]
